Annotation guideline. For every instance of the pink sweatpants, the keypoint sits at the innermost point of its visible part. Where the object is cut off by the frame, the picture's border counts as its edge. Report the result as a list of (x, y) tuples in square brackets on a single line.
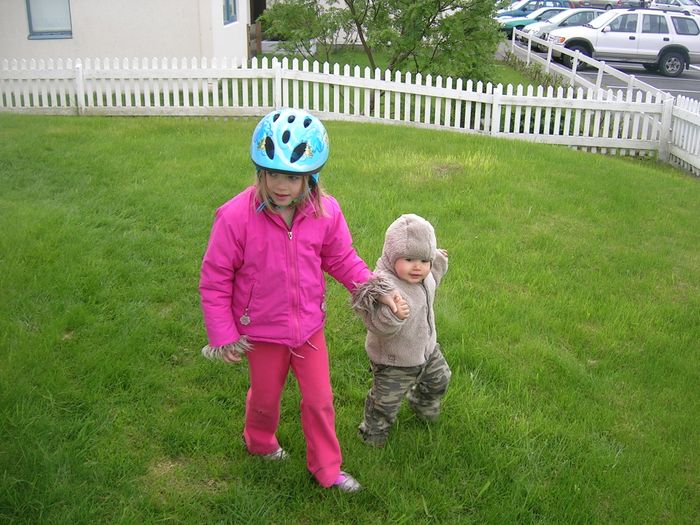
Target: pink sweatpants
[(268, 365)]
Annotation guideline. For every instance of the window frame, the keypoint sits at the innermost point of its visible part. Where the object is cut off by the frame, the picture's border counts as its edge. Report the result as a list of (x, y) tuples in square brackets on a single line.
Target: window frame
[(675, 20), (230, 12), (650, 17), (39, 34)]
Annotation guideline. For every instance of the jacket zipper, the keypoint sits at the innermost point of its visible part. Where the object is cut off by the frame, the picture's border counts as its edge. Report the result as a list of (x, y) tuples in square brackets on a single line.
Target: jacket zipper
[(427, 301), (294, 285)]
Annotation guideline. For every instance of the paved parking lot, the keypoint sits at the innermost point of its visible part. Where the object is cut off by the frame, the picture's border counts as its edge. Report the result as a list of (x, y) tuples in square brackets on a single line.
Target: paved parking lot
[(688, 84)]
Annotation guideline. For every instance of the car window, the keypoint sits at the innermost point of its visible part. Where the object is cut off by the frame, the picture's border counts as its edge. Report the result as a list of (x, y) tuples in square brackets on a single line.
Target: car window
[(624, 24), (603, 19), (685, 26), (583, 18), (548, 14), (561, 15), (654, 24)]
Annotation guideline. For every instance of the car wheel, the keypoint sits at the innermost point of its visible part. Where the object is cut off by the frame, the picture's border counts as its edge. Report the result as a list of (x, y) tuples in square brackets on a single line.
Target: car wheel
[(608, 6), (672, 64), (652, 68), (569, 61)]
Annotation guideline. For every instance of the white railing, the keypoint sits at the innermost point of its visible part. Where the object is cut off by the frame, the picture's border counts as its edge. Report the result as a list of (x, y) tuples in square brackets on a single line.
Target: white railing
[(579, 61), (683, 145), (623, 122)]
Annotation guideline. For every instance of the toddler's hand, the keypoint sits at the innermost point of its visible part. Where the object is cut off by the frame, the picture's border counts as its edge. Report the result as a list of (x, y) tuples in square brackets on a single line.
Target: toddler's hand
[(403, 310), (391, 300)]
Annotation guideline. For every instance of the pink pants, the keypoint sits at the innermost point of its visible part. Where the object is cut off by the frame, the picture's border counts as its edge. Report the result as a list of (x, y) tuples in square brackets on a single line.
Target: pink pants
[(268, 365)]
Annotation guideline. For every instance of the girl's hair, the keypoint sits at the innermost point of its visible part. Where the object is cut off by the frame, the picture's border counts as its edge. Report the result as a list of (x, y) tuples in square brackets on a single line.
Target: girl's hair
[(311, 192)]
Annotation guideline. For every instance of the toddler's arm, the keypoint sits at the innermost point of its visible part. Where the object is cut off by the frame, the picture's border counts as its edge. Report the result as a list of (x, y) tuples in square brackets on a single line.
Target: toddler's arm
[(439, 268), (373, 300)]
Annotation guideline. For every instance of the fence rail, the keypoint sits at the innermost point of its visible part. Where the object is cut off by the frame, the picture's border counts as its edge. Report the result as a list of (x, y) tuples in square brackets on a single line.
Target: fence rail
[(623, 122)]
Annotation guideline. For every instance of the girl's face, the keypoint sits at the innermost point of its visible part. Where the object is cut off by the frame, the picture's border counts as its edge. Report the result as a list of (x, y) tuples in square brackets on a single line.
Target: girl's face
[(412, 270), (283, 189)]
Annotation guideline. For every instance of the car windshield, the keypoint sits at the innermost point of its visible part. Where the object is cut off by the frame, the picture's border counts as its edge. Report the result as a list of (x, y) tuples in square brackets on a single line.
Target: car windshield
[(603, 19), (540, 12), (516, 5), (560, 17)]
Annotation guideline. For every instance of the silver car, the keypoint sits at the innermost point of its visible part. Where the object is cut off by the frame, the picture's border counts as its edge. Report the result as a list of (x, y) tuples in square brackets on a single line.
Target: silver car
[(568, 18), (688, 6)]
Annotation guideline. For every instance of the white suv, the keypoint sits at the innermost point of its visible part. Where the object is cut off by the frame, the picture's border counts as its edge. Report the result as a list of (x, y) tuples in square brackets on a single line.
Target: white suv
[(665, 41)]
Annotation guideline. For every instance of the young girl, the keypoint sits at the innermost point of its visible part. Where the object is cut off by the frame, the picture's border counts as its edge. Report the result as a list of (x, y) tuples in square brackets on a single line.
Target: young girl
[(263, 290)]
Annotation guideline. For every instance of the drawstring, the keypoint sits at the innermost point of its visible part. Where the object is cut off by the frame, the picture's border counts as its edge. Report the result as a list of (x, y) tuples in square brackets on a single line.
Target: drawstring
[(291, 350)]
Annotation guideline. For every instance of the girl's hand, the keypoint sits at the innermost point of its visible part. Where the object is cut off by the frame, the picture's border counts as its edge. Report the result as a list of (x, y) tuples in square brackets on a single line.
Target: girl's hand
[(230, 355)]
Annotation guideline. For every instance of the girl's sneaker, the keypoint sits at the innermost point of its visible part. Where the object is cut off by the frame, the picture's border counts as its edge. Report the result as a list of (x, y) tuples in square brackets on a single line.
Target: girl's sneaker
[(346, 483), (277, 455)]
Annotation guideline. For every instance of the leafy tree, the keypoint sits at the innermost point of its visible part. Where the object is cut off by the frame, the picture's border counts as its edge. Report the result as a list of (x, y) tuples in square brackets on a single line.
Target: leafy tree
[(306, 27), (455, 38)]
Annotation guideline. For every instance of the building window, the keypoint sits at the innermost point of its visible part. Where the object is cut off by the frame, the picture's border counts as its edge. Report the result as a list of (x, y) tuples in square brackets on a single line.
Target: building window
[(49, 19), (229, 11)]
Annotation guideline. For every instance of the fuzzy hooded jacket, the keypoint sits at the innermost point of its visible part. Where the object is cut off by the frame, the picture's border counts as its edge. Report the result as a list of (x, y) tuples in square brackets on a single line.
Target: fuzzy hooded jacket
[(264, 280), (390, 340)]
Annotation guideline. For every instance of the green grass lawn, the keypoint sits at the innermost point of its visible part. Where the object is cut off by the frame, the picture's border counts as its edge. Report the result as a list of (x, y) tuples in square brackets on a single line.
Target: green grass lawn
[(569, 317)]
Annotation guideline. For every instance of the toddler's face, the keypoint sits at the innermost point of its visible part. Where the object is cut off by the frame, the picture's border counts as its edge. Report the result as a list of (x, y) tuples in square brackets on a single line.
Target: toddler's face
[(283, 188), (412, 270)]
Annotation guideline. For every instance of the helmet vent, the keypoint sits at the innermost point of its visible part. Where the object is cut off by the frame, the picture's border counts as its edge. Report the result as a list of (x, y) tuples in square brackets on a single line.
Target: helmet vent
[(291, 118), (298, 152), (270, 148), (285, 136), (274, 119), (307, 122)]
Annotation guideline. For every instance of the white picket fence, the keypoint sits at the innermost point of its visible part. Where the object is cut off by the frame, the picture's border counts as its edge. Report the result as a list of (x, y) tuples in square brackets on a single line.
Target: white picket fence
[(623, 123), (684, 141)]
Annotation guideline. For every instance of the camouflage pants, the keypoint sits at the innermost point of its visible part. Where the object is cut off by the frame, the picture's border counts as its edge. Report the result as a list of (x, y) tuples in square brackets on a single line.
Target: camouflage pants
[(423, 386)]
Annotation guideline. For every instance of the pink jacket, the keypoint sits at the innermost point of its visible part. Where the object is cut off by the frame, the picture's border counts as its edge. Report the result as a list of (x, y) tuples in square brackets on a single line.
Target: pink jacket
[(264, 280)]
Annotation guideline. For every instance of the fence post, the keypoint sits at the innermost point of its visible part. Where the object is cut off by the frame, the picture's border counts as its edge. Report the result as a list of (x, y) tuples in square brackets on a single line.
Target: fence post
[(549, 58), (665, 132), (529, 50), (80, 88), (574, 67), (599, 77), (496, 110), (277, 89), (630, 87)]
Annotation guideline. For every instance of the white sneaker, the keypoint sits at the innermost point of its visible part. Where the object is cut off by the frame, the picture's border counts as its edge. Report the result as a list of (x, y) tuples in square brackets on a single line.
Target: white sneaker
[(346, 483), (277, 455)]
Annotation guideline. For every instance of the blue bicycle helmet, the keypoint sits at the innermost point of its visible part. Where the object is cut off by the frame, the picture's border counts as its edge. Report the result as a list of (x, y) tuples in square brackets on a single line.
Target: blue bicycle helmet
[(290, 141)]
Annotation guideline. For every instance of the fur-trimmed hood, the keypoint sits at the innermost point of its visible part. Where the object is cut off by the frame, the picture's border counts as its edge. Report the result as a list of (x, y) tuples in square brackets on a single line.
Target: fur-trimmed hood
[(409, 236)]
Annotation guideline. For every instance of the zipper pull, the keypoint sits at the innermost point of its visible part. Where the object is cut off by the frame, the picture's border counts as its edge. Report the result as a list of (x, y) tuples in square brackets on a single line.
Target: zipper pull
[(290, 235)]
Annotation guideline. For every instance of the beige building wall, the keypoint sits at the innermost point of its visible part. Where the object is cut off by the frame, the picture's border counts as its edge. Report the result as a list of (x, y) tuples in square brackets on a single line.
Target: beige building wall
[(130, 28)]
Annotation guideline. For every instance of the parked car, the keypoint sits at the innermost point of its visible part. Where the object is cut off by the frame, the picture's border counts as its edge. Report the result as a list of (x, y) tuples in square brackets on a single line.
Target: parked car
[(609, 4), (525, 7), (509, 23), (689, 6), (567, 18), (664, 41)]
